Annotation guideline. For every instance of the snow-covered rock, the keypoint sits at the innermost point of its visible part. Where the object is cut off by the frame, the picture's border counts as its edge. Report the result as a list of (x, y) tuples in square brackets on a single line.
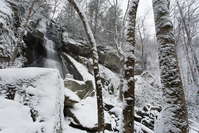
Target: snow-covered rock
[(81, 88), (31, 100), (149, 78), (70, 98), (145, 93)]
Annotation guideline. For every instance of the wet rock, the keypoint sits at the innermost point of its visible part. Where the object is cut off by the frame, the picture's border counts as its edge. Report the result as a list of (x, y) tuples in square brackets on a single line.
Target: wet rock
[(35, 51)]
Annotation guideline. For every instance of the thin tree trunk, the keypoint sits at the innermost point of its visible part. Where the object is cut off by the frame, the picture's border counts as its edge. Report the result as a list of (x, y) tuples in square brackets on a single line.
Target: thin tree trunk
[(194, 68), (174, 117), (121, 44), (129, 83), (21, 34), (96, 18), (95, 65), (142, 42)]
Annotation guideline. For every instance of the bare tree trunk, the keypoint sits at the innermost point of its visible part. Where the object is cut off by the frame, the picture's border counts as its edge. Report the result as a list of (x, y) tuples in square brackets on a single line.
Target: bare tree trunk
[(96, 17), (21, 34), (119, 48), (191, 60), (95, 65), (174, 117), (142, 42), (55, 8), (129, 83)]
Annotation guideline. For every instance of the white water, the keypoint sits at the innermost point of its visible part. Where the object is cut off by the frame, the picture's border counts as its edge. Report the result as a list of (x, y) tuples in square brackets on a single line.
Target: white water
[(52, 60)]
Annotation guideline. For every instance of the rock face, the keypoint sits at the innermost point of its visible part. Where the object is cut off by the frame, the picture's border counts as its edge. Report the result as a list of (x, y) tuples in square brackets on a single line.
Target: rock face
[(35, 51), (110, 60), (81, 88), (37, 94), (107, 57), (7, 32), (77, 47)]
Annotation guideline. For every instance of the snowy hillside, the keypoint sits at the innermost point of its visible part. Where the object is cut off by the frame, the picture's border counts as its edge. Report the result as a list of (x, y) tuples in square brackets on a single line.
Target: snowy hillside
[(51, 88), (32, 99)]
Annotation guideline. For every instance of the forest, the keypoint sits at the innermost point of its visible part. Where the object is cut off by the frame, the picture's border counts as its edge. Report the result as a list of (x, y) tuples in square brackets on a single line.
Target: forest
[(77, 66)]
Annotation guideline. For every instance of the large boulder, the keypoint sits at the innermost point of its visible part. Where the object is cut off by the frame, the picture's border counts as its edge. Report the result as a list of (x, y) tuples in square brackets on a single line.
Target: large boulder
[(32, 100), (112, 61), (83, 115), (81, 88), (70, 98)]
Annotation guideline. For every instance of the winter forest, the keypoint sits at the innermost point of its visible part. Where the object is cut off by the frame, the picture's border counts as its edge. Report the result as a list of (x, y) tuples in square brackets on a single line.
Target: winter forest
[(99, 66)]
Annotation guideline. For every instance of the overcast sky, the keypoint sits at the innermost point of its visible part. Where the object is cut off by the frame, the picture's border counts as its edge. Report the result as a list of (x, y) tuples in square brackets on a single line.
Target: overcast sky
[(144, 7)]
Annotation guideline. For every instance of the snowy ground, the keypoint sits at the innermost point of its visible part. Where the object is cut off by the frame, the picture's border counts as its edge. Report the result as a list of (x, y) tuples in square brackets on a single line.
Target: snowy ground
[(31, 100), (42, 90)]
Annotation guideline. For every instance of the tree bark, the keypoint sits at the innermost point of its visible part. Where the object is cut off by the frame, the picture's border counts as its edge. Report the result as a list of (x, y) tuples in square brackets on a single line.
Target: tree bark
[(129, 83), (95, 65), (174, 117), (21, 34)]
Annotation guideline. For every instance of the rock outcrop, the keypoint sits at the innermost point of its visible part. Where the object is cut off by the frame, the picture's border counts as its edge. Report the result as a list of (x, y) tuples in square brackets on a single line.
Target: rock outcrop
[(35, 51), (81, 88), (38, 93)]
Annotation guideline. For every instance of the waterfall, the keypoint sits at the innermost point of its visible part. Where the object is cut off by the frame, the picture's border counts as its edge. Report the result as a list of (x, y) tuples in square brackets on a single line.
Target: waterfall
[(52, 60), (52, 57)]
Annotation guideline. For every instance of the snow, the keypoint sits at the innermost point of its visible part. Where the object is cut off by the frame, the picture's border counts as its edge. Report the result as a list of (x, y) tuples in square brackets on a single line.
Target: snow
[(109, 75), (71, 95), (69, 129), (83, 70), (83, 109), (4, 8), (41, 90), (16, 118), (42, 26), (65, 36)]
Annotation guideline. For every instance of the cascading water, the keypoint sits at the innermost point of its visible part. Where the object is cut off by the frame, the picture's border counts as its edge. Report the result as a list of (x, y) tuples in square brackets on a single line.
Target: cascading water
[(52, 60)]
